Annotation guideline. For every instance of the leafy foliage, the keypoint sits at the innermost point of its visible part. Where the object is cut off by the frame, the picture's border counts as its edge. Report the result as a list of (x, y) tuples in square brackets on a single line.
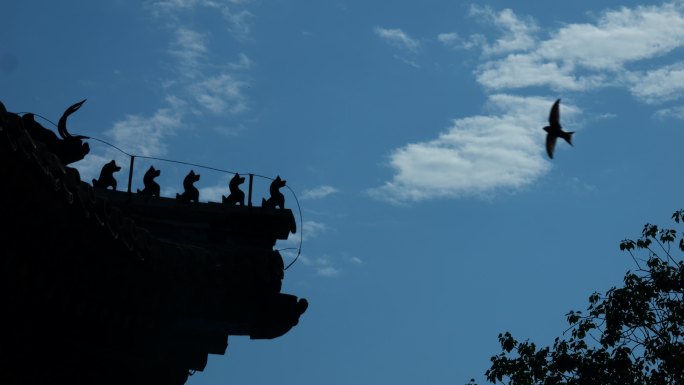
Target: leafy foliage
[(630, 335)]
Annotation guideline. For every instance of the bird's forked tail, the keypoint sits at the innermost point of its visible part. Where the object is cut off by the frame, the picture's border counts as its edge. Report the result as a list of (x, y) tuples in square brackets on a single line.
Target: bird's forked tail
[(568, 136)]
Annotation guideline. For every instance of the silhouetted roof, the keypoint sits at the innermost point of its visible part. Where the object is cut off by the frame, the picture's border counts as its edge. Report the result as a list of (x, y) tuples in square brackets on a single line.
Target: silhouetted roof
[(106, 288)]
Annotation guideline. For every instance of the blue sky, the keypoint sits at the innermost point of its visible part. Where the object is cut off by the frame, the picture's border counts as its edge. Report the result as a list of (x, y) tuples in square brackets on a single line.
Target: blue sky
[(412, 135)]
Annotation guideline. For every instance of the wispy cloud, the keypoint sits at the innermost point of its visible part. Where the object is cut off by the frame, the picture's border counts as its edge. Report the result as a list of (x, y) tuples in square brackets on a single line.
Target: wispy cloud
[(398, 38), (243, 63), (90, 166), (318, 192), (454, 40), (327, 266), (171, 5), (523, 70), (312, 229), (476, 155), (662, 84), (144, 135), (577, 186), (136, 134), (323, 266), (159, 6), (518, 34), (216, 192), (189, 48), (207, 87), (201, 83), (672, 112), (238, 22), (220, 94), (406, 61), (236, 16)]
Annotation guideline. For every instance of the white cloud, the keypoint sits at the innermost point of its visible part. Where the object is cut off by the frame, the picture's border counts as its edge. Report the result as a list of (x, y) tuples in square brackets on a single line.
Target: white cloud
[(312, 229), (666, 83), (172, 9), (406, 61), (90, 166), (518, 33), (190, 41), (146, 135), (577, 186), (199, 84), (581, 56), (166, 5), (190, 48), (672, 112), (220, 94), (318, 192), (526, 70), (323, 266), (327, 266), (244, 63), (170, 191), (450, 38), (454, 40), (204, 82), (328, 271), (214, 193), (141, 135), (485, 154), (233, 12), (476, 155), (618, 37), (217, 91), (398, 38), (159, 6), (238, 22)]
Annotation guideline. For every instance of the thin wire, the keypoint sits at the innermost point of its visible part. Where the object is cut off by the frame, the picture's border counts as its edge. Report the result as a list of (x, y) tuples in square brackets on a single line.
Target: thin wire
[(182, 162), (109, 144), (40, 116), (301, 231), (299, 208)]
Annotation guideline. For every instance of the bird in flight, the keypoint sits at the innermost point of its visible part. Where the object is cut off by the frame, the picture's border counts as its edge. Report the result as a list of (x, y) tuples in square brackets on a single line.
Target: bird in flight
[(554, 130)]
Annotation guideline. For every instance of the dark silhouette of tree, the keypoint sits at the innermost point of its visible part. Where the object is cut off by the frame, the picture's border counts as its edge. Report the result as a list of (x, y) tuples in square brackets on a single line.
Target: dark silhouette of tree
[(630, 335)]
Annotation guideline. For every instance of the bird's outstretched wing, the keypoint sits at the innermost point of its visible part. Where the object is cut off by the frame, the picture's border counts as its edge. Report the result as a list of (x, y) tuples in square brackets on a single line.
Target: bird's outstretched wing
[(550, 144), (554, 115)]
